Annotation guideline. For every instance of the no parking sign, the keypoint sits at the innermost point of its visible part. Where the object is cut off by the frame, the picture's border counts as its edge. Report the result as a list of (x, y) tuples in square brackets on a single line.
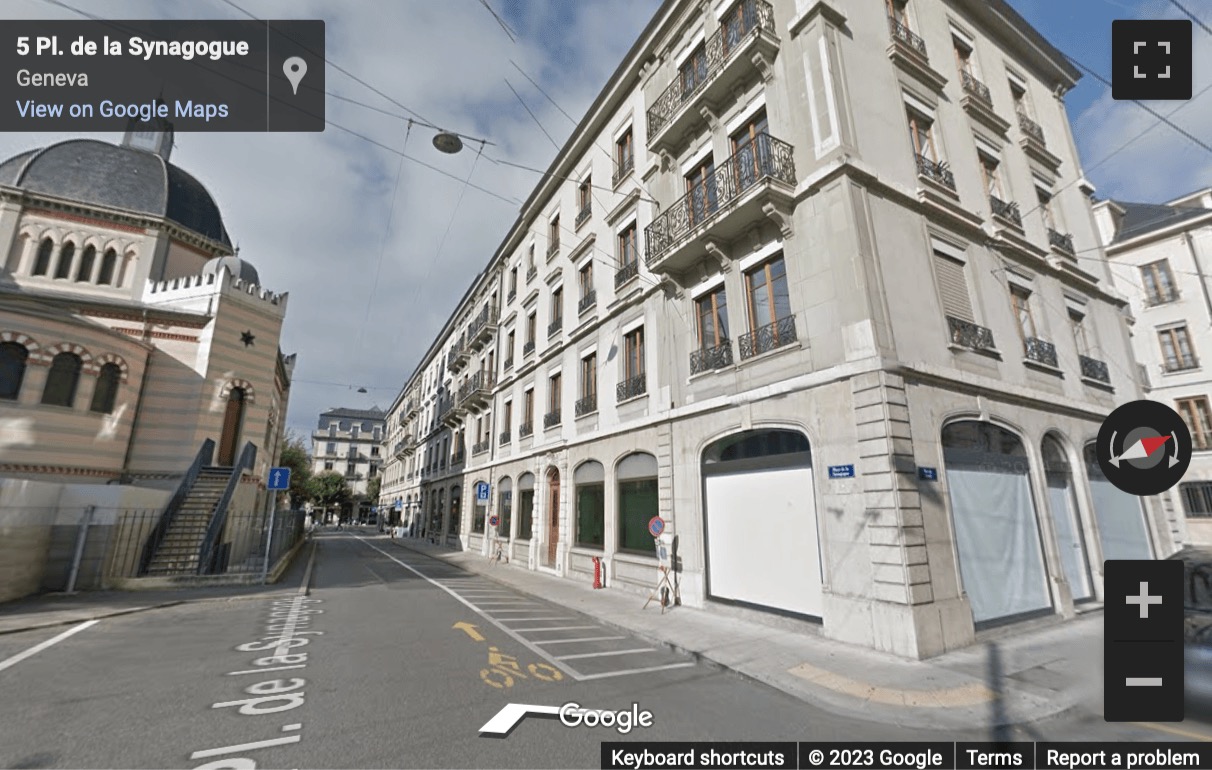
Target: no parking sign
[(656, 525), (493, 520)]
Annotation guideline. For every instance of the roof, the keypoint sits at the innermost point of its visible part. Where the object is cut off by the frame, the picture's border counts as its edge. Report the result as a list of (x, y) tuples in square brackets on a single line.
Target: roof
[(374, 413), (117, 176), (1144, 218)]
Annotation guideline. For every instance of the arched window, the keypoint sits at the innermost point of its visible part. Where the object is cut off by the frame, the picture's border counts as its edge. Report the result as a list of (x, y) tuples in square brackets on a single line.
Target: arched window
[(525, 506), (109, 263), (1063, 504), (42, 262), (638, 502), (85, 271), (478, 515), (1120, 517), (589, 481), (455, 510), (505, 486), (64, 268), (12, 369), (62, 381), (107, 389)]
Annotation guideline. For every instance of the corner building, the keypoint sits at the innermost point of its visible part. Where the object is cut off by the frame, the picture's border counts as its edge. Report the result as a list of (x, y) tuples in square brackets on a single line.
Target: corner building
[(805, 282)]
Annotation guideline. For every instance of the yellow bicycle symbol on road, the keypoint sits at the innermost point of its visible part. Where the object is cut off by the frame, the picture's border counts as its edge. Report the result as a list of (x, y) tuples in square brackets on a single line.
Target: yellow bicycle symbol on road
[(504, 668)]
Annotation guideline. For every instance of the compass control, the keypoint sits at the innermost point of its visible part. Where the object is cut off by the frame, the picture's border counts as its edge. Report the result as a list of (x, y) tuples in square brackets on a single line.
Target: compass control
[(1144, 447)]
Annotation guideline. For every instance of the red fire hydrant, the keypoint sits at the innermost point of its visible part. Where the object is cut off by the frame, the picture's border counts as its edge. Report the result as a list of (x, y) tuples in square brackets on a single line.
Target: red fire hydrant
[(597, 572)]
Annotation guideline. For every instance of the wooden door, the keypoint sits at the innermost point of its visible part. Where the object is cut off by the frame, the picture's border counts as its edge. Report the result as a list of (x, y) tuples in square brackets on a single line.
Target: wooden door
[(233, 417), (553, 516)]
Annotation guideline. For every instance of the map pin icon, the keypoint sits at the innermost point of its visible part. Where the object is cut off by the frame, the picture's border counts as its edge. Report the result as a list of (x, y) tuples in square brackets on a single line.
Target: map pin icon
[(294, 68)]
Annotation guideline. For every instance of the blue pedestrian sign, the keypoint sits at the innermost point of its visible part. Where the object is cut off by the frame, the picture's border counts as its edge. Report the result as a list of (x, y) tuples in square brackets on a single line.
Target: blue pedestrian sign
[(927, 474), (482, 491), (279, 478), (841, 471)]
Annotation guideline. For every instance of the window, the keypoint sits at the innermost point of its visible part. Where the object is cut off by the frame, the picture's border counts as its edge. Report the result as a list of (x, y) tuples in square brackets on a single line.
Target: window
[(991, 176), (638, 502), (525, 505), (769, 300), (624, 155), (557, 307), (963, 57), (1177, 352), (898, 11), (13, 358), (1158, 282), (510, 343), (477, 518), (952, 281), (85, 271), (328, 465), (42, 261), (505, 505), (507, 423), (589, 376), (1022, 102), (532, 325), (64, 267), (589, 482), (62, 381), (553, 236), (751, 154), (554, 394), (584, 200), (633, 354), (1020, 300), (332, 429), (513, 283), (921, 135), (693, 73), (585, 280), (1045, 208), (106, 391), (351, 469), (374, 451), (734, 24), (528, 407), (1197, 498), (374, 471), (1077, 322), (1196, 414), (627, 246), (701, 188), (712, 312), (109, 264)]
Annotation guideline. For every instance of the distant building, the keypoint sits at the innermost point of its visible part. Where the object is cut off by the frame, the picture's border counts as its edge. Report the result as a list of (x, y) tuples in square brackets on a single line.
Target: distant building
[(349, 441), (1161, 258)]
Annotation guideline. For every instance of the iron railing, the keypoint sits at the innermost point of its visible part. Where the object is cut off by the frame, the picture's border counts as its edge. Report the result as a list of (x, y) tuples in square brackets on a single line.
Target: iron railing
[(1093, 369), (902, 35), (508, 363), (589, 300), (764, 157), (623, 167), (583, 215), (531, 272), (767, 338), (551, 419), (528, 348), (631, 387), (718, 50), (936, 171), (553, 249), (241, 552), (481, 380), (626, 273), (1040, 351), (1031, 128), (975, 87), (712, 358), (479, 448), (205, 454), (526, 429), (587, 405), (1062, 241), (969, 335), (209, 551), (458, 458), (554, 327), (504, 438), (1007, 211), (513, 294)]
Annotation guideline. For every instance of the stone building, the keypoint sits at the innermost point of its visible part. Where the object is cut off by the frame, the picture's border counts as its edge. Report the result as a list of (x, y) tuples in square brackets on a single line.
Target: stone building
[(350, 442), (804, 282)]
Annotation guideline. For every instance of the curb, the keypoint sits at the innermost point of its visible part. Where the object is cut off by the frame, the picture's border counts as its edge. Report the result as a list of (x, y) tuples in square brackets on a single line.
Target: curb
[(305, 589)]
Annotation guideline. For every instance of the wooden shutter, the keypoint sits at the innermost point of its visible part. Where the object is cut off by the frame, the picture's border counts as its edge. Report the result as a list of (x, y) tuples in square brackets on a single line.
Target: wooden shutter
[(953, 287)]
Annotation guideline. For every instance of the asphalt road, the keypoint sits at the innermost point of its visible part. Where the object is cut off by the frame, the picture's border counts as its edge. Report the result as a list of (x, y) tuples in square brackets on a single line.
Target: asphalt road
[(408, 658)]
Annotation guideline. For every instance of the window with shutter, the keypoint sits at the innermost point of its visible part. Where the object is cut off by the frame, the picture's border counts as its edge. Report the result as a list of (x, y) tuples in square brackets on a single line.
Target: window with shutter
[(953, 287)]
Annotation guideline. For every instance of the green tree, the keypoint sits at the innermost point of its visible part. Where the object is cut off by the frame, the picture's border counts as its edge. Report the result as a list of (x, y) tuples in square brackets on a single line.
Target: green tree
[(294, 456), (328, 489), (372, 489)]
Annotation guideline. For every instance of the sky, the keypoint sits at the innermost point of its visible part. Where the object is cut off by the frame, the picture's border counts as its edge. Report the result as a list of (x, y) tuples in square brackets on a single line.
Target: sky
[(376, 249)]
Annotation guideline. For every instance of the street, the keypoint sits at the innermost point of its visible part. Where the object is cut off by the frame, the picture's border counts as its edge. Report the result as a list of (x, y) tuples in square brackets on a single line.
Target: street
[(397, 659)]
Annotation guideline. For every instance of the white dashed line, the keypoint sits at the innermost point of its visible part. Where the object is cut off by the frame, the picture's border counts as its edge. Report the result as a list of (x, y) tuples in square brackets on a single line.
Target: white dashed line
[(583, 639), (37, 648), (638, 670), (604, 654)]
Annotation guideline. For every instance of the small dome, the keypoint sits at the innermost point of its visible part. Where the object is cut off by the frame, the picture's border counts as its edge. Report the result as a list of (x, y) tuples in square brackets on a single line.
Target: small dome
[(234, 265)]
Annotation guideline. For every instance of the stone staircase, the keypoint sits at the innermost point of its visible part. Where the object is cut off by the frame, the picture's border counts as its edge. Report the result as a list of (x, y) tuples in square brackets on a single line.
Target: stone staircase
[(180, 550)]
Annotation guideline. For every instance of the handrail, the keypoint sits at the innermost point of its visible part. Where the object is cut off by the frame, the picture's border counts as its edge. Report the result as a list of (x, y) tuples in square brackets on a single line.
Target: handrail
[(205, 453), (209, 551)]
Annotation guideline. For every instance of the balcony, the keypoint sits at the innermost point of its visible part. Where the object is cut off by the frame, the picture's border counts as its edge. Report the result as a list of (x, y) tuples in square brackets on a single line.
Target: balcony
[(1093, 369), (458, 458), (586, 405), (476, 391), (531, 272), (412, 408), (453, 415), (966, 334), (1040, 351), (908, 51), (758, 181), (710, 359), (480, 330), (508, 363), (633, 387), (555, 326), (936, 172), (1033, 142), (458, 356), (551, 419), (626, 273), (526, 429), (553, 249), (1006, 212), (479, 448), (513, 294), (1062, 242), (1183, 364), (589, 300), (978, 103), (769, 337), (582, 216), (528, 348), (504, 438), (623, 167), (748, 41)]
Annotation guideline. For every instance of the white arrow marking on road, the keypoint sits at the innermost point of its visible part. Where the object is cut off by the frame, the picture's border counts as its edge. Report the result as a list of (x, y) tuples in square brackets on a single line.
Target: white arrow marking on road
[(509, 717), (37, 648)]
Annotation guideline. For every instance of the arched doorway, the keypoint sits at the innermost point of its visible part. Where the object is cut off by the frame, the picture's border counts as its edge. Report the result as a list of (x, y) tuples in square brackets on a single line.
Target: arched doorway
[(760, 522), (1120, 516), (553, 516), (1062, 499), (233, 419), (996, 532), (455, 511)]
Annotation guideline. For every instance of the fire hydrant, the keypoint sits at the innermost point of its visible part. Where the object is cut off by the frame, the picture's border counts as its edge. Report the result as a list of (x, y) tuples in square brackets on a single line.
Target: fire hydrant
[(597, 572)]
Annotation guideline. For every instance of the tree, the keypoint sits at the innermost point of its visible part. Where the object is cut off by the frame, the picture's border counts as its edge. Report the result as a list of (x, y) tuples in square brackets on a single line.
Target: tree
[(294, 456), (328, 489), (372, 489)]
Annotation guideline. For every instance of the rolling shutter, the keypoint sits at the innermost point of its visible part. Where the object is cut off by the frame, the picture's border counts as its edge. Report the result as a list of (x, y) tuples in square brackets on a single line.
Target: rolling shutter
[(953, 287)]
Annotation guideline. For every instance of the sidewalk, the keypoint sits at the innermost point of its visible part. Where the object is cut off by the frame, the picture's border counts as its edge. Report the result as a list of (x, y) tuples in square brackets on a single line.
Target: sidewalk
[(1021, 676)]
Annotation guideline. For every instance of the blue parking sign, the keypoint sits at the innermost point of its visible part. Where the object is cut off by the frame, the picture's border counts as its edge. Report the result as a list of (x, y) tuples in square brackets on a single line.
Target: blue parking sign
[(482, 489), (279, 478)]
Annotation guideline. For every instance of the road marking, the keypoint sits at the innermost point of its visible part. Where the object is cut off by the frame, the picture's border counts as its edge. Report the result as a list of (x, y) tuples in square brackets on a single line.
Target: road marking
[(1176, 731), (539, 617), (37, 648), (604, 654), (551, 628), (638, 670), (491, 604), (263, 670), (498, 612), (583, 639), (246, 746)]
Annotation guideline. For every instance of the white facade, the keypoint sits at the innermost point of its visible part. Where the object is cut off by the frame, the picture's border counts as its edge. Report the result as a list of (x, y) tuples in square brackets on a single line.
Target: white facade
[(1159, 256), (793, 317), (349, 442)]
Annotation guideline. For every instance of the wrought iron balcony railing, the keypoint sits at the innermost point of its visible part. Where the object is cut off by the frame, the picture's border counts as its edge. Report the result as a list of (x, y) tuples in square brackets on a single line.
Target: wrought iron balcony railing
[(504, 437), (935, 171), (975, 87), (551, 419), (589, 300), (626, 273), (1062, 241), (553, 249), (902, 35), (531, 272), (718, 50), (508, 363), (458, 458), (554, 327), (710, 359), (526, 429), (479, 448), (1040, 351), (478, 386), (528, 348), (1182, 364), (623, 167), (583, 215), (969, 335), (764, 157), (1093, 369), (632, 387), (513, 294), (587, 405), (1031, 128), (767, 338), (1006, 211)]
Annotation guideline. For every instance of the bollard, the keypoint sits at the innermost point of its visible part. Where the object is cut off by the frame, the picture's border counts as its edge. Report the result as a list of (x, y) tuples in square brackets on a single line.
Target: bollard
[(597, 572)]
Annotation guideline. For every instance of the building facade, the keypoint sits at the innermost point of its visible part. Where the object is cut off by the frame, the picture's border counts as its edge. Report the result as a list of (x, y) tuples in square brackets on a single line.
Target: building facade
[(1159, 259), (805, 283), (350, 442), (130, 333)]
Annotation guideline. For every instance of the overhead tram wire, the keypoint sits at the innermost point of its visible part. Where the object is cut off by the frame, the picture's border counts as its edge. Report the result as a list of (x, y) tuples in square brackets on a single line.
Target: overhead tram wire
[(508, 30)]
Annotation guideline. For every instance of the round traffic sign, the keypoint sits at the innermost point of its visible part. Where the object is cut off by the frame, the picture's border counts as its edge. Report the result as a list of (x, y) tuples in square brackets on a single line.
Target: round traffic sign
[(656, 525), (1144, 447), (493, 520)]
